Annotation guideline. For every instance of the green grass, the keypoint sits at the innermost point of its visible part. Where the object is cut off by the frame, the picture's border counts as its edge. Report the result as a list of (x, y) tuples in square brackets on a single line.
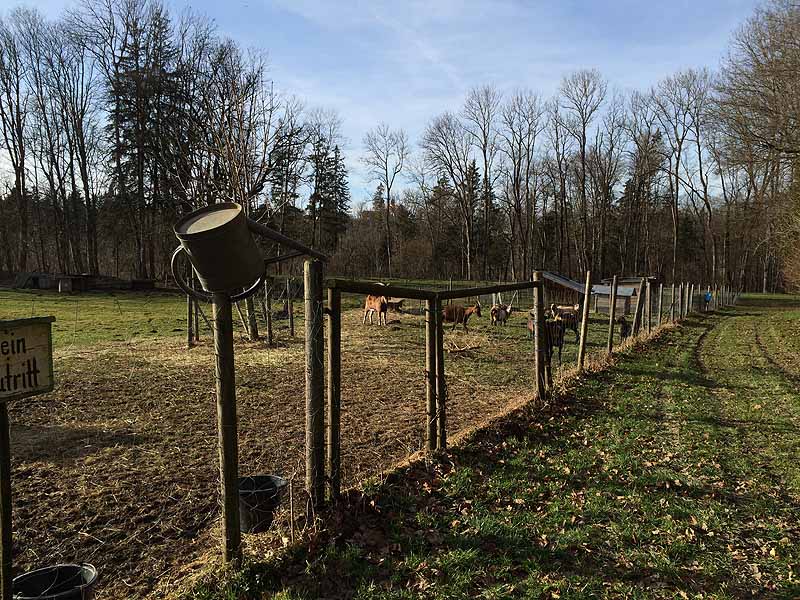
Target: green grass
[(91, 318), (673, 475)]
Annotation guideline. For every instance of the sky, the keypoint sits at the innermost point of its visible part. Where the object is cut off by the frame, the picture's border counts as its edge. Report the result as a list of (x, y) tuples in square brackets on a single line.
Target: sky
[(404, 62)]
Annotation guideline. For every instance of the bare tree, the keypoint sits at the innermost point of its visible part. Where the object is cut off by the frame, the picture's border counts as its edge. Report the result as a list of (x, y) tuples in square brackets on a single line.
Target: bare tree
[(522, 120), (480, 112), (15, 101), (581, 95), (385, 154)]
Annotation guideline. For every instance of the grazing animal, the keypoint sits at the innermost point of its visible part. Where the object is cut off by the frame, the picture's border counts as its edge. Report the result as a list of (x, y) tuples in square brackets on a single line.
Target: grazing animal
[(375, 304), (456, 314), (500, 313), (554, 335), (571, 315), (624, 327)]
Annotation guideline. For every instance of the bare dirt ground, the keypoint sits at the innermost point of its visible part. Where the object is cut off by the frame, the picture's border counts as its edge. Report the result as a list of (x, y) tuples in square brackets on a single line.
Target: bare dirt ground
[(118, 466)]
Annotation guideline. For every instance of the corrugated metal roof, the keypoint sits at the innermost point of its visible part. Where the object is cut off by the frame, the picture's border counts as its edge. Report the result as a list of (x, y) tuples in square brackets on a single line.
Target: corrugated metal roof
[(623, 291), (563, 281), (605, 290)]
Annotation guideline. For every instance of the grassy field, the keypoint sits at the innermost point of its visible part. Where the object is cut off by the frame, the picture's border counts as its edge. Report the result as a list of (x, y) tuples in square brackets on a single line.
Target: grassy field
[(676, 474), (118, 465)]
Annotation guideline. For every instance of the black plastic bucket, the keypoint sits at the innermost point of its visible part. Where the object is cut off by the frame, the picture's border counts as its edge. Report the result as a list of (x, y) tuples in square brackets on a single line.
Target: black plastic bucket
[(61, 582), (259, 496)]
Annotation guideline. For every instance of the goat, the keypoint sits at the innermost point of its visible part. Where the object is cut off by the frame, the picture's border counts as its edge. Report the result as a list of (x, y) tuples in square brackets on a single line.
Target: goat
[(624, 328), (375, 304), (553, 335), (571, 315), (456, 314), (500, 313)]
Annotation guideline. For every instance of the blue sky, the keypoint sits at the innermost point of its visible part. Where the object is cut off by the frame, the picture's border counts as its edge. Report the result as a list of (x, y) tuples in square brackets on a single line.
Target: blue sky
[(404, 62)]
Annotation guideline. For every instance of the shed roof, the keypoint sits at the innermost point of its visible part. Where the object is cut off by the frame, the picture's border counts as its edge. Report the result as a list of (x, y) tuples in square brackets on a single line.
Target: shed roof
[(622, 291), (563, 281)]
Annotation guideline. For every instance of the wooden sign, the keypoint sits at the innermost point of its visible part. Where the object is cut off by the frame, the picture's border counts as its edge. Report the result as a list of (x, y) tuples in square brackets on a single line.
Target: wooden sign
[(26, 358)]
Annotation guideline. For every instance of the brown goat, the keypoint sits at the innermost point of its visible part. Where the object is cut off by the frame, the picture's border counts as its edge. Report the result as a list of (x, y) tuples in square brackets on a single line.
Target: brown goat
[(375, 304), (456, 314)]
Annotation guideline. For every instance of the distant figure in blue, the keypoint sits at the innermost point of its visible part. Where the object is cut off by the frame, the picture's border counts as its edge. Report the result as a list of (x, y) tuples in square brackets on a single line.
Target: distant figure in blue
[(707, 299)]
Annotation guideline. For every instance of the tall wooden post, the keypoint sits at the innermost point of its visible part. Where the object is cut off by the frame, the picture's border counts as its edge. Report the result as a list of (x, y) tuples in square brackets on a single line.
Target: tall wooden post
[(691, 299), (315, 383), (5, 504), (672, 304), (334, 390), (430, 374), (649, 307), (539, 338), (189, 322), (227, 425), (612, 312), (268, 283), (660, 298), (290, 305), (196, 303), (587, 292), (189, 312), (640, 300), (441, 382)]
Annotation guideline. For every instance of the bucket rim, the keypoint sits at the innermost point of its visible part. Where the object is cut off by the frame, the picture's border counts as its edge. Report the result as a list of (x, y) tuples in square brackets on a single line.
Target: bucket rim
[(92, 579), (182, 235), (280, 482)]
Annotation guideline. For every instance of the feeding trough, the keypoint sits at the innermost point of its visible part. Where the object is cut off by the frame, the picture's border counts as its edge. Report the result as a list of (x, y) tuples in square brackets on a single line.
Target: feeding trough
[(60, 582), (259, 497)]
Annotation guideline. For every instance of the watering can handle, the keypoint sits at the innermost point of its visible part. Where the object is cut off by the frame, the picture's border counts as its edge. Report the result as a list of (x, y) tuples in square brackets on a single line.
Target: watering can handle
[(206, 296)]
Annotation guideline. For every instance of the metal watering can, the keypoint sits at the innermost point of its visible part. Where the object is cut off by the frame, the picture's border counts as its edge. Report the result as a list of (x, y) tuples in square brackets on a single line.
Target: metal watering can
[(221, 248), (219, 243)]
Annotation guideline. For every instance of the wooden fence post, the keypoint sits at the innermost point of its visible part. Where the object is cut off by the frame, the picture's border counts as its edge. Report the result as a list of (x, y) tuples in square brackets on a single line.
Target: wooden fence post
[(227, 425), (268, 283), (672, 304), (587, 292), (430, 373), (189, 322), (539, 340), (441, 382), (596, 298), (649, 307), (195, 285), (691, 299), (334, 390), (637, 316), (660, 298), (6, 542), (688, 300), (189, 311), (315, 383), (612, 311), (290, 305)]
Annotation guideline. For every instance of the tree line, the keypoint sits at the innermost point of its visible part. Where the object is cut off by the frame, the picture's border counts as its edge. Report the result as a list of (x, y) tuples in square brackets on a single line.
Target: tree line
[(117, 117)]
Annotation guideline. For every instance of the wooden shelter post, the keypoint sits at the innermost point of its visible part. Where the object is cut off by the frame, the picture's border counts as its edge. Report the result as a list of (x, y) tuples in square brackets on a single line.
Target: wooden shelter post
[(612, 310), (334, 451), (539, 338), (441, 382), (227, 426), (587, 292), (315, 382), (431, 338)]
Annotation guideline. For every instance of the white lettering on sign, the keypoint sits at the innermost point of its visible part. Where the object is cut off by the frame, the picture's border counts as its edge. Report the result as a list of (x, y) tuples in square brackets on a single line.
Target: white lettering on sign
[(26, 358)]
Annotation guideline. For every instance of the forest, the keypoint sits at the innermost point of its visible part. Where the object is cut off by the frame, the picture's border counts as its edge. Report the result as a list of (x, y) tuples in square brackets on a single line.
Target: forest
[(117, 117)]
